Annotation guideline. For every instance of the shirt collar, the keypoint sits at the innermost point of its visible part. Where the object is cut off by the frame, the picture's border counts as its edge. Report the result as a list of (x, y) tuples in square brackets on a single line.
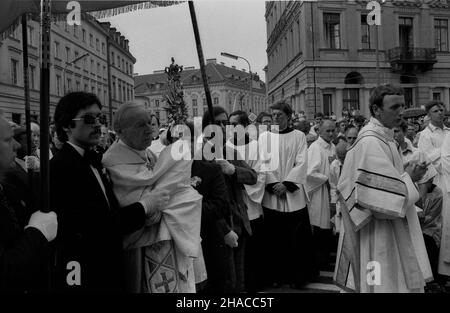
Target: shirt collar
[(388, 133), (433, 128), (323, 143), (78, 148), (142, 154)]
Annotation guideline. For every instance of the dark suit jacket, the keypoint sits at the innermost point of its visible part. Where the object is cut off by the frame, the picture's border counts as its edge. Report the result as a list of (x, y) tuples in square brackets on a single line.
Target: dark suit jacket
[(216, 213), (90, 231), (23, 252), (243, 174)]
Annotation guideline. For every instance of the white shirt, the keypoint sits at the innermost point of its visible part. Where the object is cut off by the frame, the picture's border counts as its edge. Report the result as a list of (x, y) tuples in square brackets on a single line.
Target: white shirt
[(96, 173)]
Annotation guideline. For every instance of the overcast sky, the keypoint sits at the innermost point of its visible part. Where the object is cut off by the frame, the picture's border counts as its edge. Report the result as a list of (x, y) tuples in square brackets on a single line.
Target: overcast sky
[(236, 27)]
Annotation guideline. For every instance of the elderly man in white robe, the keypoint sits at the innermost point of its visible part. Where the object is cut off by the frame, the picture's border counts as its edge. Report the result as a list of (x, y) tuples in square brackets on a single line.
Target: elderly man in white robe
[(284, 158), (381, 248), (158, 257), (320, 154), (431, 142)]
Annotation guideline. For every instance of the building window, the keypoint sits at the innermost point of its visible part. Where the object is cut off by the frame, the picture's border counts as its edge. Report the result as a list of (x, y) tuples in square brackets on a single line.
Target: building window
[(437, 96), (131, 69), (408, 93), (105, 96), (75, 31), (332, 30), (14, 71), (118, 61), (123, 65), (365, 32), (406, 32), (58, 85), (157, 103), (441, 34), (69, 85), (216, 101), (103, 47), (32, 77), (104, 71), (78, 86), (112, 59), (113, 87), (195, 111), (91, 40), (97, 44), (98, 68), (84, 35), (123, 91), (351, 99), (92, 66), (56, 49), (126, 67), (86, 87), (194, 102), (30, 36), (327, 104), (17, 118), (67, 54), (120, 90)]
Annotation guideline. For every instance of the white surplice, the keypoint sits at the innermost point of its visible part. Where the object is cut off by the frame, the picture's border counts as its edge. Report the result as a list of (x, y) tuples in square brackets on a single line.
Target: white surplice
[(319, 154), (431, 142), (381, 227), (284, 157), (335, 173), (444, 253)]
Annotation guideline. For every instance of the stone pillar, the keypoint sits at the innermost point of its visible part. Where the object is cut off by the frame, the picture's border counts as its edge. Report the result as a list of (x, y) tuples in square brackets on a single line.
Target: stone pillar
[(446, 98)]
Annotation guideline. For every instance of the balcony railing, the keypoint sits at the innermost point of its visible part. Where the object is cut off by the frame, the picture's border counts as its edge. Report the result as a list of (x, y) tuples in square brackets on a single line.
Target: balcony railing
[(406, 59)]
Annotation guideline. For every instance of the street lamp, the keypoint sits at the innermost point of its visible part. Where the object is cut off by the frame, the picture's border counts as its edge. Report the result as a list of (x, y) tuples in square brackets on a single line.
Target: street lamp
[(235, 57), (70, 63)]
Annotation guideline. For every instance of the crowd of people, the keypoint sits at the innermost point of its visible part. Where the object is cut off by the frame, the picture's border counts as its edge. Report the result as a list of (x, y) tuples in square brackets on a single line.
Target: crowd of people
[(126, 215)]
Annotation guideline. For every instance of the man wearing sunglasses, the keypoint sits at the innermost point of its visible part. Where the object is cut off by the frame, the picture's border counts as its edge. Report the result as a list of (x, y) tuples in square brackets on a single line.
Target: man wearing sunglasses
[(92, 226)]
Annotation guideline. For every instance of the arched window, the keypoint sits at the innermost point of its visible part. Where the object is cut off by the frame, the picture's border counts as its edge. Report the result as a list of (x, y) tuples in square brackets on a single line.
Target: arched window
[(354, 78)]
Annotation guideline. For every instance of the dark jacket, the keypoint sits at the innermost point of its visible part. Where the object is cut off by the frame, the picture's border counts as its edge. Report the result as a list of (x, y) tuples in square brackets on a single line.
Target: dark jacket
[(216, 213), (243, 175), (23, 252), (90, 231)]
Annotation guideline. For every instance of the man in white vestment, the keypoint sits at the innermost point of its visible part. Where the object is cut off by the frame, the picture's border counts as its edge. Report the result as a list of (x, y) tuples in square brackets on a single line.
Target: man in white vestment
[(335, 174), (381, 248), (431, 142), (286, 218), (320, 154), (158, 257)]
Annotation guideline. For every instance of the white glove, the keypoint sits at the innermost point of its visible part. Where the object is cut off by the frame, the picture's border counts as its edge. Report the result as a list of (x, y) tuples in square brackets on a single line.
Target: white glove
[(156, 200), (227, 167), (46, 223), (32, 163), (231, 239)]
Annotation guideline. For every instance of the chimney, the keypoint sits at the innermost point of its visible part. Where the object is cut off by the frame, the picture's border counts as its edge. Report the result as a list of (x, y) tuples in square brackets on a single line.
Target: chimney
[(211, 61), (122, 39), (126, 44)]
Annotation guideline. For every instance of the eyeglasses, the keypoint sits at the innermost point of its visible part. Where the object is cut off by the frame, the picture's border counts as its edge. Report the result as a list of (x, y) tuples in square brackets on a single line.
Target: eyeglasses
[(351, 138), (91, 119)]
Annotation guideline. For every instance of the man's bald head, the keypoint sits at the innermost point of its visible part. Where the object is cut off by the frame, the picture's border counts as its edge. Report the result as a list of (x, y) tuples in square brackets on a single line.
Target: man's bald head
[(326, 130), (8, 146), (341, 150)]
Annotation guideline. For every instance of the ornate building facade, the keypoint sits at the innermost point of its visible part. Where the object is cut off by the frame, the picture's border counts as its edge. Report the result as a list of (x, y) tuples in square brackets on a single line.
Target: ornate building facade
[(230, 88), (80, 62), (322, 55)]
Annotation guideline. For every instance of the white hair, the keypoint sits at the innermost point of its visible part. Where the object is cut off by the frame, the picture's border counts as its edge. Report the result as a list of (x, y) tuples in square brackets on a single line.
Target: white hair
[(123, 118)]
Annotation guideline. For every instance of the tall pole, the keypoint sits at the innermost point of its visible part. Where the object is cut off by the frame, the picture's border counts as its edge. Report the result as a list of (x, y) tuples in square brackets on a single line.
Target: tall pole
[(313, 58), (45, 104), (26, 86), (377, 56), (108, 60), (201, 60)]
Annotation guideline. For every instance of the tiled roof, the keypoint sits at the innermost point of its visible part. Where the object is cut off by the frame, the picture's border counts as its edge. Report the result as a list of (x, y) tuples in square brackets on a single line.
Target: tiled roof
[(216, 73)]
